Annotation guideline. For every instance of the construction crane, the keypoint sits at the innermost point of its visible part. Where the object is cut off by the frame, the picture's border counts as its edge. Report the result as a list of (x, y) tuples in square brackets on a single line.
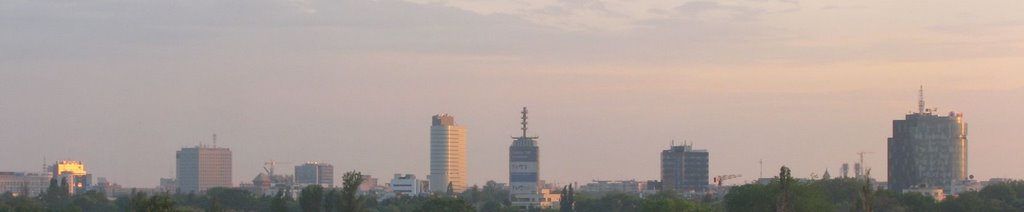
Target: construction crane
[(721, 178), (269, 166)]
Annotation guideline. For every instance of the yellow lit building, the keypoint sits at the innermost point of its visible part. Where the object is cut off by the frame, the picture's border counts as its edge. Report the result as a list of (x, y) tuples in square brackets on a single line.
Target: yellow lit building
[(74, 173)]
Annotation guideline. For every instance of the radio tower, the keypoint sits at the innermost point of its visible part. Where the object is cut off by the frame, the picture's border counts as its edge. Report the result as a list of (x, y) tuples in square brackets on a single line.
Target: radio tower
[(920, 100)]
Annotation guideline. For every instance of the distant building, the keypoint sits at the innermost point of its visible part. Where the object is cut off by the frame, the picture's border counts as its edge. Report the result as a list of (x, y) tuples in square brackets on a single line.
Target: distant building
[(447, 154), (684, 169), (408, 185), (24, 183), (369, 183), (203, 167), (315, 173), (167, 185), (525, 186), (106, 187), (927, 150), (74, 173), (615, 186)]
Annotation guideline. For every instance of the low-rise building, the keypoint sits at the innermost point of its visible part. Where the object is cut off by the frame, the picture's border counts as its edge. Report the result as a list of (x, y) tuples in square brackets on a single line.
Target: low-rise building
[(24, 183), (614, 186), (408, 185)]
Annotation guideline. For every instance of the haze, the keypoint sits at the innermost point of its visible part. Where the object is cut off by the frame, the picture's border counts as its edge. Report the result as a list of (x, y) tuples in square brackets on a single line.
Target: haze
[(122, 85)]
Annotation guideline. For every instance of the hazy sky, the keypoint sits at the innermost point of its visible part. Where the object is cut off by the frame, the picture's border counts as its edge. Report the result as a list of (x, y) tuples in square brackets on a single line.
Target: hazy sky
[(122, 85)]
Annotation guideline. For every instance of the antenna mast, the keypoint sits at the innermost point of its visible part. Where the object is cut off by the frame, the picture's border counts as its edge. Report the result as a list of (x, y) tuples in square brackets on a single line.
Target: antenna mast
[(524, 121), (215, 140), (920, 100)]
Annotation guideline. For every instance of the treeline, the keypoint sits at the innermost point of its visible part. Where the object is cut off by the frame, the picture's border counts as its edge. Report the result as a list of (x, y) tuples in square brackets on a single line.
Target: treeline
[(784, 193), (787, 194)]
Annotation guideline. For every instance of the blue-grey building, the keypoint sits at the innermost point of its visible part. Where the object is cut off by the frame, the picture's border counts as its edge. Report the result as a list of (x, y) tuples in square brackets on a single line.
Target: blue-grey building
[(927, 150), (684, 168)]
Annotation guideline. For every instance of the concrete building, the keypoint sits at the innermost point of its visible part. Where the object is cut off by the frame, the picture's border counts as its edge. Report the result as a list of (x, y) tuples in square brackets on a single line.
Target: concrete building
[(684, 169), (315, 173), (927, 150), (107, 187), (203, 167), (79, 180), (614, 186), (525, 186), (408, 185), (24, 183), (167, 185), (447, 154)]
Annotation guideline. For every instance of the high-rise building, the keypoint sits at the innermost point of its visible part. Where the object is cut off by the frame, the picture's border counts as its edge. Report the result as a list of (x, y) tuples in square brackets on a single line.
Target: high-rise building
[(927, 149), (203, 167), (447, 154), (315, 173), (74, 173), (525, 187), (684, 168)]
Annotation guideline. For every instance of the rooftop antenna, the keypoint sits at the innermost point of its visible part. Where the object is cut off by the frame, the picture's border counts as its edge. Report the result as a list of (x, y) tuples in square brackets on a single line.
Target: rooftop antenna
[(215, 140), (920, 100), (760, 164), (524, 121)]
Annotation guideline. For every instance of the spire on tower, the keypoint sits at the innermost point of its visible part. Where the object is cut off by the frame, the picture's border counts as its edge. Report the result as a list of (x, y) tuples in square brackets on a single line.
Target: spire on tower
[(920, 100), (524, 121)]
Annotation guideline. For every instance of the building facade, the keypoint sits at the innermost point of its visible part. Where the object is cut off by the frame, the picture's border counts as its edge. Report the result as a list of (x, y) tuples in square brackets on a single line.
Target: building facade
[(447, 154), (202, 167), (79, 180), (407, 185), (525, 187), (315, 173), (927, 150), (24, 183), (684, 169)]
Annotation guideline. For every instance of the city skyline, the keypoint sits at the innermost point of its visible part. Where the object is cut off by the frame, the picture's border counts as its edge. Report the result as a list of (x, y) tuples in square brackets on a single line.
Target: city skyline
[(349, 83)]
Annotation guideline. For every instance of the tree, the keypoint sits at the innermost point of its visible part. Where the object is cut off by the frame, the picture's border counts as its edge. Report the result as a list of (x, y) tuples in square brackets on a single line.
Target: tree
[(566, 202), (311, 198), (866, 193), (350, 185), (451, 189), (445, 204), (92, 201), (785, 182), (332, 201), (279, 203)]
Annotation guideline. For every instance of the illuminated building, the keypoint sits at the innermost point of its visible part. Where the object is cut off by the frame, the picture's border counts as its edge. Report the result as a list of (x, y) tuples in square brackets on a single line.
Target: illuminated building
[(74, 173), (447, 154), (927, 150)]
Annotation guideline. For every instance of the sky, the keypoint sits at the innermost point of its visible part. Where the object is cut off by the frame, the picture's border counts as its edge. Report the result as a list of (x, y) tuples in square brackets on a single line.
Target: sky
[(121, 85)]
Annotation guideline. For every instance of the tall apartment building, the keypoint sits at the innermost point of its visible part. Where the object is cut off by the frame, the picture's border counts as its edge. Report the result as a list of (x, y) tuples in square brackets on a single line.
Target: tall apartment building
[(525, 187), (447, 154), (203, 167), (927, 150), (684, 168), (315, 173)]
